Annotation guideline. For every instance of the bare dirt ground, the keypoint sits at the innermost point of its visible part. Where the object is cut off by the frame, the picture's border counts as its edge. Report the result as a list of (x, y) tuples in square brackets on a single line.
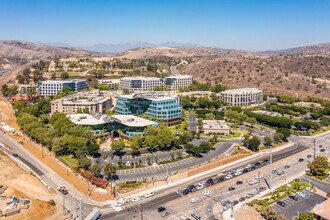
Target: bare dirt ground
[(247, 213), (7, 116), (19, 181)]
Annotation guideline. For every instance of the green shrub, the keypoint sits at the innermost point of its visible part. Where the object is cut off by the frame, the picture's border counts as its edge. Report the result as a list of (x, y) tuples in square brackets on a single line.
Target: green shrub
[(319, 177), (309, 174), (51, 202), (328, 194)]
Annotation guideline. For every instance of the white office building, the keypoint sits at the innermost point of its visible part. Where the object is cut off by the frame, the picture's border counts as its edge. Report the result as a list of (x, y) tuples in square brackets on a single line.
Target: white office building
[(112, 83), (133, 84), (244, 96), (173, 82), (52, 87)]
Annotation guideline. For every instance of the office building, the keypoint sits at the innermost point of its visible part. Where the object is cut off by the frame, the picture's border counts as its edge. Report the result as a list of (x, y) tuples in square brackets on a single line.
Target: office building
[(52, 87), (244, 96), (173, 82), (129, 125), (24, 88), (163, 108), (112, 83), (85, 101), (133, 84), (216, 127)]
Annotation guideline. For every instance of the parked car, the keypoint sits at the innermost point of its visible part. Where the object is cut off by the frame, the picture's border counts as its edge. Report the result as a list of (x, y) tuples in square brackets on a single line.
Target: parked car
[(226, 207), (245, 170), (165, 214), (190, 187), (295, 198), (301, 160), (147, 195), (308, 189), (221, 179), (185, 192), (251, 182), (248, 166), (257, 164), (194, 200), (136, 199), (228, 176), (239, 182), (253, 168), (120, 203), (262, 188), (309, 156), (199, 187), (280, 172), (322, 150), (266, 160), (231, 188), (195, 216), (286, 166), (235, 202), (209, 207), (225, 202), (237, 173), (281, 203), (15, 155), (242, 199), (212, 148), (179, 191), (206, 193)]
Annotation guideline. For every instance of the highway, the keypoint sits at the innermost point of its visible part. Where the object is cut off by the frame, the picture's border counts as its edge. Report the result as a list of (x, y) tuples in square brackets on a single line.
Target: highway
[(165, 197)]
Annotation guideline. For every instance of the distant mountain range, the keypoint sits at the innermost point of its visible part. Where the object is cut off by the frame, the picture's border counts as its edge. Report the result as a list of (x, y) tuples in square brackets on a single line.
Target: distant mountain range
[(113, 48), (313, 49)]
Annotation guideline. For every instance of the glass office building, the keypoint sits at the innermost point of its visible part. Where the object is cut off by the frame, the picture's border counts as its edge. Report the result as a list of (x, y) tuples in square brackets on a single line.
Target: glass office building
[(163, 108), (52, 87)]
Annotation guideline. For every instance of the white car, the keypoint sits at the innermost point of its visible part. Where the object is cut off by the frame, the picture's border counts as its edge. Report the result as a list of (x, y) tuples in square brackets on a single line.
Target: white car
[(239, 169), (248, 166), (251, 182), (228, 176), (120, 203), (308, 189), (147, 195), (136, 199), (237, 173), (128, 163), (301, 193), (258, 176), (231, 171), (199, 187), (205, 193), (194, 200)]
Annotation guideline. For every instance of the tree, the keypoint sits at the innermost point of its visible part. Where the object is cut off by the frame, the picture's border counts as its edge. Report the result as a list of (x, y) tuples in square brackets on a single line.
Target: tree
[(84, 163), (205, 145), (319, 166), (148, 159), (117, 145), (95, 169), (285, 132), (136, 143), (53, 76), (305, 216), (251, 121), (188, 147), (109, 169), (281, 217), (268, 141), (254, 143), (150, 139), (214, 138), (164, 137), (66, 90), (196, 150), (250, 130), (172, 155), (93, 148), (65, 75), (210, 116), (278, 137), (246, 140), (120, 163), (268, 212), (179, 154)]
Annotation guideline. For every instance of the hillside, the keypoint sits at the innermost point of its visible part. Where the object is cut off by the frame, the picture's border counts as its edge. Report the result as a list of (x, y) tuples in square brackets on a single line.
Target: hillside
[(148, 52), (312, 50), (302, 75), (31, 51), (7, 64)]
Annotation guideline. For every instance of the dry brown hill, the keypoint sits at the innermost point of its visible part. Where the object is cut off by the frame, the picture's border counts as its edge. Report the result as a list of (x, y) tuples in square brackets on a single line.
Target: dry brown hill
[(302, 75), (148, 52), (7, 64), (314, 49), (25, 49)]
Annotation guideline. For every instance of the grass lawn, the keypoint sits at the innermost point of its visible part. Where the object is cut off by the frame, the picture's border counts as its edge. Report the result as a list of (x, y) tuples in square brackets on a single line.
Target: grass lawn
[(70, 74), (237, 134), (69, 159)]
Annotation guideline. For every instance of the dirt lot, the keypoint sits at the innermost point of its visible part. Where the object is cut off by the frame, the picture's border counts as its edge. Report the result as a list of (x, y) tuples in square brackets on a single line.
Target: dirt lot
[(19, 181), (247, 213)]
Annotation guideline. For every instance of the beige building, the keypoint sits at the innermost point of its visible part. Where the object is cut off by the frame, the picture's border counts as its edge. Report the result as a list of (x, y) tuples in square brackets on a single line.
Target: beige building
[(216, 127), (84, 100)]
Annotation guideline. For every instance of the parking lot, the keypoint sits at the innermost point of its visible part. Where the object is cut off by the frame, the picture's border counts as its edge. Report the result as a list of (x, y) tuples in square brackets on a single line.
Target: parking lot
[(303, 204)]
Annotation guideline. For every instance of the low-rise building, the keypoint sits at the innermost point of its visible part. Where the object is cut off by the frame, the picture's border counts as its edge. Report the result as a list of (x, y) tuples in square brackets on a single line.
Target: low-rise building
[(174, 82), (140, 83), (244, 96), (84, 101), (112, 83), (25, 88), (128, 125), (52, 87), (163, 108), (215, 127)]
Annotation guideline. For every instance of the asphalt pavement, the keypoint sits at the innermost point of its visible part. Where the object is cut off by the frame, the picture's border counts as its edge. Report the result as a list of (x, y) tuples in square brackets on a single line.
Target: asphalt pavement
[(325, 187)]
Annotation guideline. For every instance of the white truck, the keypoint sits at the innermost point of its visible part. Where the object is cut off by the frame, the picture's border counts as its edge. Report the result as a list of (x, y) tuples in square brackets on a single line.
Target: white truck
[(95, 214)]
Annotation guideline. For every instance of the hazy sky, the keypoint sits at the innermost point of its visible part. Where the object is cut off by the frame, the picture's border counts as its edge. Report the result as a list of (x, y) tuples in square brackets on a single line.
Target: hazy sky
[(246, 24)]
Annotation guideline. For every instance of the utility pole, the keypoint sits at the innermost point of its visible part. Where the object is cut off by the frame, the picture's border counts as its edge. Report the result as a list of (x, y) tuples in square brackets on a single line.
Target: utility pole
[(270, 169), (80, 210), (314, 147)]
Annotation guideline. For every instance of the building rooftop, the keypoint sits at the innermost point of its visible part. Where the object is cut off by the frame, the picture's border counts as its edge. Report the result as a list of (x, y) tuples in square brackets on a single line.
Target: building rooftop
[(215, 124), (83, 98), (322, 209), (234, 91), (110, 80), (133, 121), (141, 78), (149, 95), (85, 119), (64, 81), (179, 76)]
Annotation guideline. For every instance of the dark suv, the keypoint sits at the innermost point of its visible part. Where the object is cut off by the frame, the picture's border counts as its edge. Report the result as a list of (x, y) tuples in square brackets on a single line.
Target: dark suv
[(160, 209), (281, 203), (295, 198)]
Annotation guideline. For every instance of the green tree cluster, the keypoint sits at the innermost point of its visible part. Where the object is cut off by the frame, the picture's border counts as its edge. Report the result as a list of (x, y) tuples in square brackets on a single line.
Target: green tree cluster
[(270, 120), (319, 166)]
